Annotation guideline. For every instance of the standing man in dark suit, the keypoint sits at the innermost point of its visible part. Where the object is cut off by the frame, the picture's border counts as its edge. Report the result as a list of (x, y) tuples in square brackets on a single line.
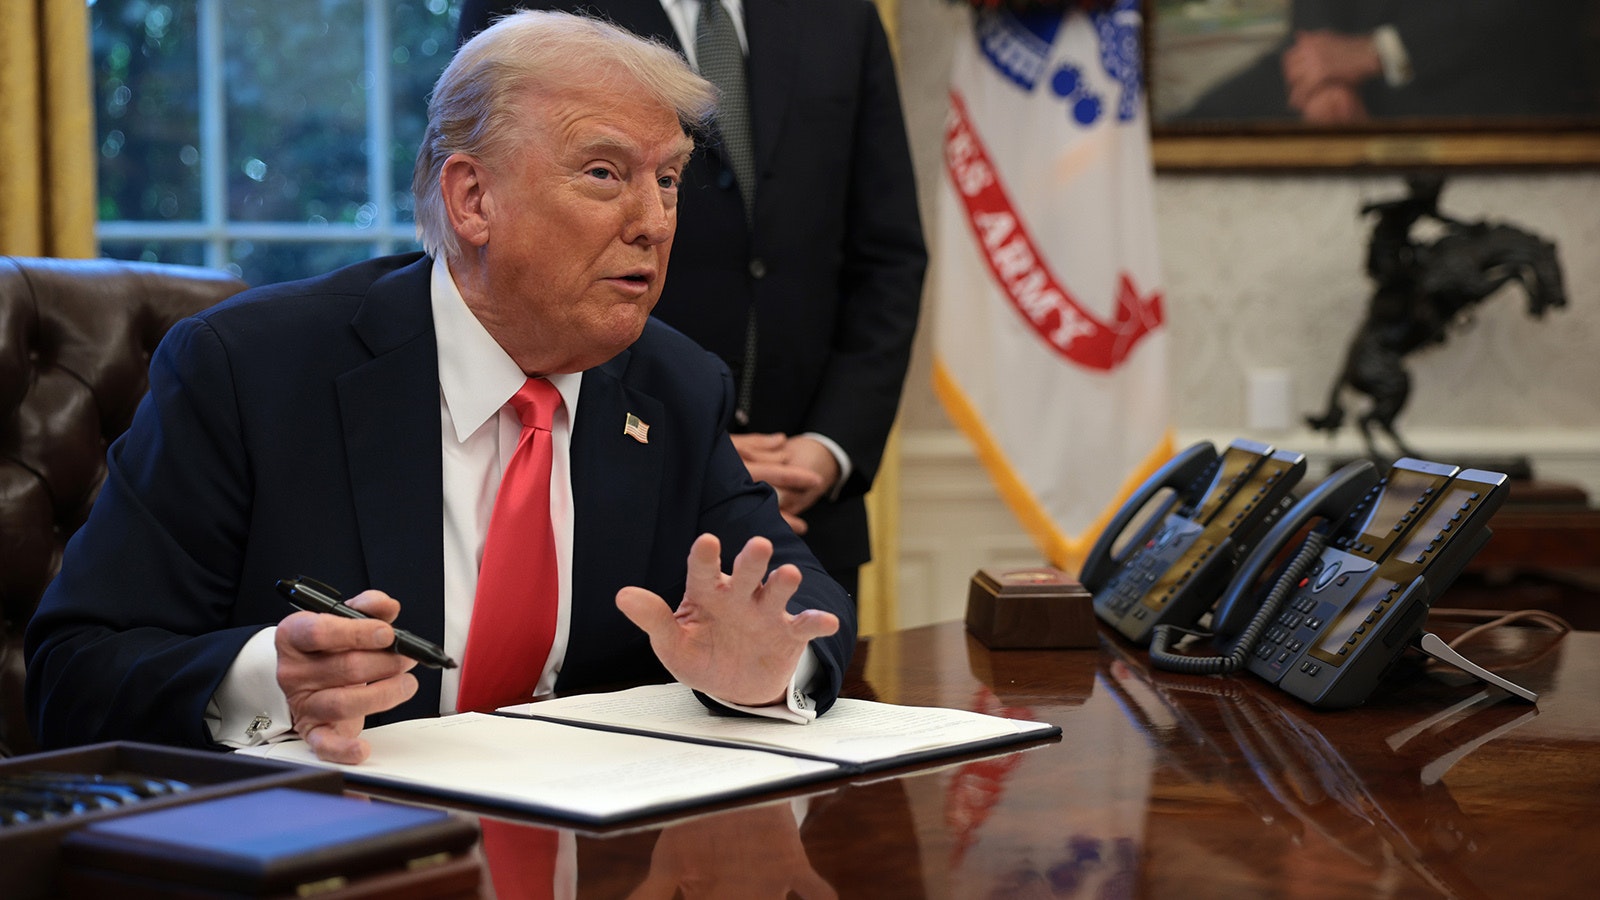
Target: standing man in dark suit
[(808, 281), (355, 427)]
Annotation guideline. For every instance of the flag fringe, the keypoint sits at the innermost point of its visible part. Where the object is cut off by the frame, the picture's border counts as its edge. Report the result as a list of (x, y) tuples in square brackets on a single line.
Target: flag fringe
[(1061, 550)]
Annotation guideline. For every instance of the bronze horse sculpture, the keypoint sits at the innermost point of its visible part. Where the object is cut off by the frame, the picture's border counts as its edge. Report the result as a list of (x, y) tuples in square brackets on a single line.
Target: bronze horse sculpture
[(1422, 290)]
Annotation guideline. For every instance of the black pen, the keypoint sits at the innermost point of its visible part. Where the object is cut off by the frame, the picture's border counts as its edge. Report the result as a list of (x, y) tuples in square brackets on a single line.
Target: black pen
[(314, 596)]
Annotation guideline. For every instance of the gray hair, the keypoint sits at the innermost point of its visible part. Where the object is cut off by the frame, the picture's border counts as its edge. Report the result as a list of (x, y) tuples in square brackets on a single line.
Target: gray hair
[(475, 108)]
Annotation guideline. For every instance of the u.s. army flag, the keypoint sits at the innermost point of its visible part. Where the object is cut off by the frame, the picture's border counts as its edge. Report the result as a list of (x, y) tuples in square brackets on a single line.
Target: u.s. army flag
[(1050, 350)]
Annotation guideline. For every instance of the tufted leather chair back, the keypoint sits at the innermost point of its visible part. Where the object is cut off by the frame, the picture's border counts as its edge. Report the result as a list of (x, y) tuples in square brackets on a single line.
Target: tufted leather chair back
[(75, 344)]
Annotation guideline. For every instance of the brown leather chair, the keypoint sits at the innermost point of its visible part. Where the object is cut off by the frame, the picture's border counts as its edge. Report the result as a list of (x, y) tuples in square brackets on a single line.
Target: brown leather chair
[(75, 344)]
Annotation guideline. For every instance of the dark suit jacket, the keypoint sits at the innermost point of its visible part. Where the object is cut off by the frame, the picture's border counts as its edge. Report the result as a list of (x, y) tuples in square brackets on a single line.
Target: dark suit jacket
[(833, 263), (295, 430)]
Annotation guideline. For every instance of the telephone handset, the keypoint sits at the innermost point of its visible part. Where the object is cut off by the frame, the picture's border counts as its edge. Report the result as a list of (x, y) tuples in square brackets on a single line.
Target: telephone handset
[(1338, 498), (1356, 592), (1173, 568), (1179, 472)]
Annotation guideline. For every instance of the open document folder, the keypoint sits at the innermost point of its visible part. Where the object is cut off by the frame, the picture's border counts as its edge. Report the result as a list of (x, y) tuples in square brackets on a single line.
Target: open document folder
[(601, 758)]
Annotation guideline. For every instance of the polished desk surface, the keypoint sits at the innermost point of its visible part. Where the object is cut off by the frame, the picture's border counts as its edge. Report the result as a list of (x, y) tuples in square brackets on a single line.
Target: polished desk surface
[(1167, 786)]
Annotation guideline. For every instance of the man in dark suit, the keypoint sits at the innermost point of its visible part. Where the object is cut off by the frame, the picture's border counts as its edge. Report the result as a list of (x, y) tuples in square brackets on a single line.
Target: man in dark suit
[(808, 282), (341, 426)]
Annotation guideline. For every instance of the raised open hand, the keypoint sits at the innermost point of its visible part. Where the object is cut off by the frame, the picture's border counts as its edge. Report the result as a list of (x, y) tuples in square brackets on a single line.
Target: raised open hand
[(732, 637)]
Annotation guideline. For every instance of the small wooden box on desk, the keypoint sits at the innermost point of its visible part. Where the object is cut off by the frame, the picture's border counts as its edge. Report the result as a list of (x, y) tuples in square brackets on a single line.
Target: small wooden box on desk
[(1037, 608)]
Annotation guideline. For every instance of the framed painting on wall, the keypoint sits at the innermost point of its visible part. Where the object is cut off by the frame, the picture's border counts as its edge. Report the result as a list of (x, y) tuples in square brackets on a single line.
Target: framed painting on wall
[(1309, 84)]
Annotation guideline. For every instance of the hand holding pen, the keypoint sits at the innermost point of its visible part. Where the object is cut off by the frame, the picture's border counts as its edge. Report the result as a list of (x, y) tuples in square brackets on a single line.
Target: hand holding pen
[(339, 663), (314, 596)]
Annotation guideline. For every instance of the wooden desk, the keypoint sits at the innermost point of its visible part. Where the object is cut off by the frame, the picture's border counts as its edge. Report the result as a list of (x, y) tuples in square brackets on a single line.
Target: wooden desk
[(1545, 554), (1171, 786), (1542, 526)]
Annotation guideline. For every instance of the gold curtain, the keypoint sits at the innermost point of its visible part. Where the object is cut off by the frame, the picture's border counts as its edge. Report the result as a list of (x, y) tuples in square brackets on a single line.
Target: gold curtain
[(877, 597), (47, 169)]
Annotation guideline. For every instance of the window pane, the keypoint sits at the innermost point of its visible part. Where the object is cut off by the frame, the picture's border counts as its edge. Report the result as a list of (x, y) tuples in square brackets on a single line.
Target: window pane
[(296, 110), (189, 253), (147, 109), (424, 39), (296, 89), (264, 262)]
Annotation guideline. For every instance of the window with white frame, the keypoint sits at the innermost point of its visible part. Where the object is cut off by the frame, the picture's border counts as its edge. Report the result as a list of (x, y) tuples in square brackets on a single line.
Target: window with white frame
[(273, 139)]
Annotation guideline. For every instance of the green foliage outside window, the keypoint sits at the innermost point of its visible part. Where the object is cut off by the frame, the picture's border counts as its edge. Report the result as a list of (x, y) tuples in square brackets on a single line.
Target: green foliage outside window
[(296, 131)]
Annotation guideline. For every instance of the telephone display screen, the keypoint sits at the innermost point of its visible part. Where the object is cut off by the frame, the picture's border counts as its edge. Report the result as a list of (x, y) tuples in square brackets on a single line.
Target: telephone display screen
[(1403, 498), (1449, 505), (1237, 463), (1353, 616)]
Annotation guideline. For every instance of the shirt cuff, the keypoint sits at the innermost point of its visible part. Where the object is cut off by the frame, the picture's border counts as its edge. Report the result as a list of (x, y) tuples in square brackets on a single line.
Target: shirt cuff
[(839, 456), (249, 708), (1392, 56), (799, 708)]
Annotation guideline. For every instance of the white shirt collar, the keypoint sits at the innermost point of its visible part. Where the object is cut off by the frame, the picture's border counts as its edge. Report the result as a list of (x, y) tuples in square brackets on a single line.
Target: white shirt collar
[(476, 376), (685, 16)]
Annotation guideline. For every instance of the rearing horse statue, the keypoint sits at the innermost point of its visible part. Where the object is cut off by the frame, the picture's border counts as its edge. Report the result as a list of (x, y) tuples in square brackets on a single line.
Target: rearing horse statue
[(1421, 291)]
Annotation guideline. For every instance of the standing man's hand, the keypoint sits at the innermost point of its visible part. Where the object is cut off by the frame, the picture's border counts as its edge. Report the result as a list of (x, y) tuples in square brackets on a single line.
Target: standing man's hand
[(732, 637), (336, 671), (800, 469)]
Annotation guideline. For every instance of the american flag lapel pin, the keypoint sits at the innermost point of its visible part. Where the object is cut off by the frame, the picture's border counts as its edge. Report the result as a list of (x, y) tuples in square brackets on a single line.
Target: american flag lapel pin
[(634, 428)]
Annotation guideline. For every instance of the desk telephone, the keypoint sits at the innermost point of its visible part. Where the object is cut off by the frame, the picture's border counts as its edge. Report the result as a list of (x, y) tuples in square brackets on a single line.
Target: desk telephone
[(1172, 567), (1355, 592)]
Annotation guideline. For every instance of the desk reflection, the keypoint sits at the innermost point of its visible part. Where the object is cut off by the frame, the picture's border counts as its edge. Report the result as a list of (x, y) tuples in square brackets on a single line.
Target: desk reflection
[(748, 853), (1342, 804), (751, 853)]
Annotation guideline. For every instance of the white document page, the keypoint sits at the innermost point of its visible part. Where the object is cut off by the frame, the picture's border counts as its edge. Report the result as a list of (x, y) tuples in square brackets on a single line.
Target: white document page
[(857, 732), (545, 767)]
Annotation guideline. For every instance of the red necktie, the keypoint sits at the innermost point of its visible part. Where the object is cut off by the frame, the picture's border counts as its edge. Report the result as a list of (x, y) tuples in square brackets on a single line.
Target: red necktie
[(522, 858), (514, 612)]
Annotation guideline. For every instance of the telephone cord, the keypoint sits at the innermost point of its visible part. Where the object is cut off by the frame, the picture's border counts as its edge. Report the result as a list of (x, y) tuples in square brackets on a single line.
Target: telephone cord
[(1163, 658)]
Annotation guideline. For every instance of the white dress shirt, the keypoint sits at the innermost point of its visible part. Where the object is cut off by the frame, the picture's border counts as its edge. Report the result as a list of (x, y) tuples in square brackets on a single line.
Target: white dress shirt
[(685, 16)]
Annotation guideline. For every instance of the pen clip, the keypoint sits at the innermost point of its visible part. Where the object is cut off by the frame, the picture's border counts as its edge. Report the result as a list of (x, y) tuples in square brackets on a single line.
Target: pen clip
[(291, 585)]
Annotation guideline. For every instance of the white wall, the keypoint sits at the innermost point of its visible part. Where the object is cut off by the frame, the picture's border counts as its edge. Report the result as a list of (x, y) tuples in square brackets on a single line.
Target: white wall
[(1264, 281)]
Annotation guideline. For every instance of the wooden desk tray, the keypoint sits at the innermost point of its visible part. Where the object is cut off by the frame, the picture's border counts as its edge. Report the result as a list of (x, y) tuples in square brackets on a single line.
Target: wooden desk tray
[(30, 853)]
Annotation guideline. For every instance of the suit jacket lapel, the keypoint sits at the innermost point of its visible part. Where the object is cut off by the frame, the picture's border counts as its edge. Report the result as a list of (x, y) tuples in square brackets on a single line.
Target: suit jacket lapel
[(390, 411), (774, 63), (614, 479)]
